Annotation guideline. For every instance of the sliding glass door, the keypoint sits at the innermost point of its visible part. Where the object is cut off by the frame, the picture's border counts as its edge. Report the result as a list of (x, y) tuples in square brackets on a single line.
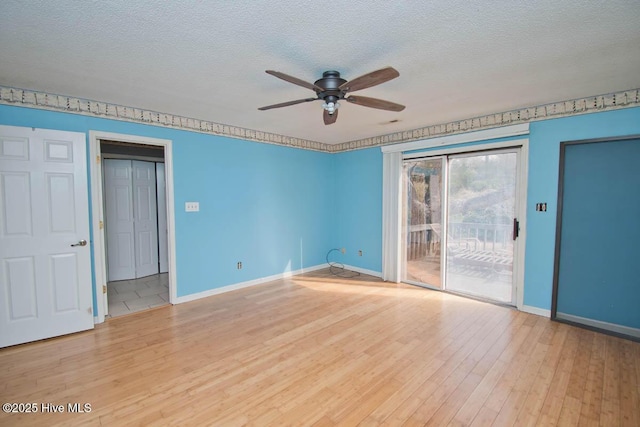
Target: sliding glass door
[(480, 218), (423, 221), (460, 223)]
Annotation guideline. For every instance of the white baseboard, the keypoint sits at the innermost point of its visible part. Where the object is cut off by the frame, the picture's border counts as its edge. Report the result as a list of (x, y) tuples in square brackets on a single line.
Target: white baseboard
[(241, 285), (535, 310), (626, 330), (363, 270)]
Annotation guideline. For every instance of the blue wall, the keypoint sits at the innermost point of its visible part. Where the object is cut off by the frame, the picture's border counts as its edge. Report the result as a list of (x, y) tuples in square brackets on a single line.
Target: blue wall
[(544, 152), (544, 162), (261, 204), (264, 205), (357, 208), (277, 208)]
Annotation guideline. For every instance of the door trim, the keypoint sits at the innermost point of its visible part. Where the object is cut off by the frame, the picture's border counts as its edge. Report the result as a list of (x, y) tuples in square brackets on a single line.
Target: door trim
[(97, 207), (448, 140), (521, 201)]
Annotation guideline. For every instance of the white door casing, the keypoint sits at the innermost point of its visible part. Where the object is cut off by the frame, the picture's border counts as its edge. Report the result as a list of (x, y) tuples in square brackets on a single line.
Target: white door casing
[(99, 247), (45, 282), (163, 252), (145, 219), (118, 191)]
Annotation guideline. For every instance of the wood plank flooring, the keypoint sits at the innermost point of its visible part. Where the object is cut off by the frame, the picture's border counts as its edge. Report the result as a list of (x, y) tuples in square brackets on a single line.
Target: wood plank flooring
[(316, 350)]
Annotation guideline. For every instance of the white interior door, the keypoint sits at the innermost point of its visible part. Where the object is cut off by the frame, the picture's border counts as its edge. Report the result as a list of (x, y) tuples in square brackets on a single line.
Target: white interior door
[(145, 218), (118, 193), (163, 244), (45, 265)]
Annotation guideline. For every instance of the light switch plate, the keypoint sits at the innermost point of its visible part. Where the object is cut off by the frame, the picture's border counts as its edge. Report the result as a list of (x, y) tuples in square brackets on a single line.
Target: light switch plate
[(192, 206)]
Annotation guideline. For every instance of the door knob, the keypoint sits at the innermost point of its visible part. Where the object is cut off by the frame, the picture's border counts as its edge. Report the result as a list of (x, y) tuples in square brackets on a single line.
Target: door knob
[(80, 243)]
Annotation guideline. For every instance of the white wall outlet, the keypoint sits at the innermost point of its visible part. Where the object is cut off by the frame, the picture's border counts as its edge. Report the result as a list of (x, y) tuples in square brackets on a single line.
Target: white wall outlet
[(192, 206)]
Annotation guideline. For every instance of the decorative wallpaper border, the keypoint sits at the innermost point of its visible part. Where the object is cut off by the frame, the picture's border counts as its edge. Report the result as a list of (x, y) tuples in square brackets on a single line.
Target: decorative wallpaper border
[(46, 101), (612, 101), (87, 107)]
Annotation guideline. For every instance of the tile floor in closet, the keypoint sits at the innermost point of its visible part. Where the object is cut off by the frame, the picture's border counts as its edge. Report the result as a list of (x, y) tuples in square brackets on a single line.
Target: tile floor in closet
[(130, 296)]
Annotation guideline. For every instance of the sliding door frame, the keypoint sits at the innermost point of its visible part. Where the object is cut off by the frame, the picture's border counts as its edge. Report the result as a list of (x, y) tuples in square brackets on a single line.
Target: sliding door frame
[(521, 200)]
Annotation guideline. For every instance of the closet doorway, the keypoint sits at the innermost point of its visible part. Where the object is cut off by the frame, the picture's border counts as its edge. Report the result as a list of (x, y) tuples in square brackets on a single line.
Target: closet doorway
[(135, 227)]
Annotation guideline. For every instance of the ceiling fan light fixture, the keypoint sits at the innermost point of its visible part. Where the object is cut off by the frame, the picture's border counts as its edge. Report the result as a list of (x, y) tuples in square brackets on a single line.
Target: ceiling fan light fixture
[(331, 88), (331, 107)]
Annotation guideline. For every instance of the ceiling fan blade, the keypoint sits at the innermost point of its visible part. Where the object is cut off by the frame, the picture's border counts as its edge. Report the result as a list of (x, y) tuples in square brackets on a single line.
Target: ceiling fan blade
[(371, 79), (294, 80), (381, 104), (330, 119), (286, 104)]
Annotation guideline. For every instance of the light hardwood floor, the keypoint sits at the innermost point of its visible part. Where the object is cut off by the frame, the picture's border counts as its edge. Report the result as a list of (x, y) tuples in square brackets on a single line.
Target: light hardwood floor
[(316, 350)]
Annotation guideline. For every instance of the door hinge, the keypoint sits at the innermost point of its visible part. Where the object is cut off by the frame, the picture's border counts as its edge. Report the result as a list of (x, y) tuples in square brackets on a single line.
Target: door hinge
[(100, 225), (516, 228), (104, 289), (97, 159)]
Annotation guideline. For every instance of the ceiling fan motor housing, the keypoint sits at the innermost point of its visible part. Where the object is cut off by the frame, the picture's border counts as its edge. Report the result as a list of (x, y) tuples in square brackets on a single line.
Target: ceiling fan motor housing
[(330, 82)]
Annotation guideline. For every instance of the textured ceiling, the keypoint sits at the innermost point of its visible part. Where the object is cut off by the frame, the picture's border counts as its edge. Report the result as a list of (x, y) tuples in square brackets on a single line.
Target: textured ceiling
[(206, 59)]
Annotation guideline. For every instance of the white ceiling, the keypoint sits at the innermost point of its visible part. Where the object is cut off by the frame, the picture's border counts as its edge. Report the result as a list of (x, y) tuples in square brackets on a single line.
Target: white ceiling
[(206, 59)]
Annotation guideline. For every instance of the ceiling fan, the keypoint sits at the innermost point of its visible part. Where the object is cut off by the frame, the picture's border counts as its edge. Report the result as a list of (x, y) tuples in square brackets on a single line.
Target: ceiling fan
[(331, 88)]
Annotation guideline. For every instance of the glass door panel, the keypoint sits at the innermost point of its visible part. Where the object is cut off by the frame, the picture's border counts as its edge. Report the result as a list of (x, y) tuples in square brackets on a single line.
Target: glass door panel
[(422, 212), (481, 207)]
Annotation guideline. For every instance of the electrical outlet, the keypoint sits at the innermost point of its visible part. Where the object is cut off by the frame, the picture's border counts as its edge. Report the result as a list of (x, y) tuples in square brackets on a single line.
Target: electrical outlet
[(360, 252), (343, 250), (239, 265), (192, 206), (541, 207)]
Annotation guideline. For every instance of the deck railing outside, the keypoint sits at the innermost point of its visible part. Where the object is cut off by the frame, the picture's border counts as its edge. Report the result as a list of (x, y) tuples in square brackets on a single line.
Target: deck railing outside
[(425, 239)]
